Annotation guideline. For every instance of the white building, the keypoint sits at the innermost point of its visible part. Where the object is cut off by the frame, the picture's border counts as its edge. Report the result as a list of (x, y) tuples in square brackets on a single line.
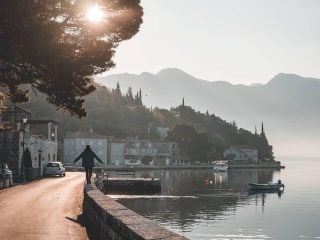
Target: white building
[(161, 153), (116, 152), (75, 142), (238, 153), (41, 151)]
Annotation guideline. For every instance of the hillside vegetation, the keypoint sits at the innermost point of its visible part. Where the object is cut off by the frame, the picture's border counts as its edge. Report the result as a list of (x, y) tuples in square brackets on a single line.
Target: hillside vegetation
[(204, 136)]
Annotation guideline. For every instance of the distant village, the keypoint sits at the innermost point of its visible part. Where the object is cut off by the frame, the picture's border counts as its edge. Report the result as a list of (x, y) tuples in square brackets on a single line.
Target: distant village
[(27, 145)]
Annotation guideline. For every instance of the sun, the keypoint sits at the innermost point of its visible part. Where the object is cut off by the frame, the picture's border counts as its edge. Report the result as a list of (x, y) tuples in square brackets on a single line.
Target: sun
[(95, 14)]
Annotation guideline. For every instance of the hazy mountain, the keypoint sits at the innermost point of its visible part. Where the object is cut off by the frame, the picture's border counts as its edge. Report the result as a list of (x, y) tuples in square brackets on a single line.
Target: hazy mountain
[(287, 104)]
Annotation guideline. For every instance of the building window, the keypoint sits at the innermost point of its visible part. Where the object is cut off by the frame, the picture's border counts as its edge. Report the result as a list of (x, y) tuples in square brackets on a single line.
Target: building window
[(48, 156), (54, 157)]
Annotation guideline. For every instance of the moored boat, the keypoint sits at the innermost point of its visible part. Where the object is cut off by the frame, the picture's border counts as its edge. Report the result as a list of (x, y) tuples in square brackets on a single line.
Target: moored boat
[(266, 186), (220, 166)]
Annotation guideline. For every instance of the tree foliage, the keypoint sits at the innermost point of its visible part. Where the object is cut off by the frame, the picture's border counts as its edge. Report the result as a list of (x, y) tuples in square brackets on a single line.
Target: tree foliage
[(197, 145), (146, 160), (51, 45)]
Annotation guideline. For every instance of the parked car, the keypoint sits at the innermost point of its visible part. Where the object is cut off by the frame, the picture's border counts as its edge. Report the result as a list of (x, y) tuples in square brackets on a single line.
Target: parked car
[(55, 168), (5, 172)]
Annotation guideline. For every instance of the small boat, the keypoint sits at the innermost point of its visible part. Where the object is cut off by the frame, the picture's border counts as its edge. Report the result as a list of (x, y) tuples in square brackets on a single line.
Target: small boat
[(220, 166), (266, 186)]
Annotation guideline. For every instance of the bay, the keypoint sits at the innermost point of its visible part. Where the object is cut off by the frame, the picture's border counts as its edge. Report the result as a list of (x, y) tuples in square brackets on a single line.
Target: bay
[(203, 204)]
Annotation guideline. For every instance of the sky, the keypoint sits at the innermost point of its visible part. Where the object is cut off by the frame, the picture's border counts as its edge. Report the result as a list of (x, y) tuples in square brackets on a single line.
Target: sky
[(239, 41)]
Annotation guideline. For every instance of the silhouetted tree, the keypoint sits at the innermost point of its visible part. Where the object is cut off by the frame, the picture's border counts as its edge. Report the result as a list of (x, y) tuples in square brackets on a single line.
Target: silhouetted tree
[(118, 89), (129, 95), (51, 45), (262, 130)]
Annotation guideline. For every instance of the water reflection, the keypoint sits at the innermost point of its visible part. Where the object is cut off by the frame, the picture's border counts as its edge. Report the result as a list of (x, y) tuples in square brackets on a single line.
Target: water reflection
[(265, 192), (224, 209), (189, 197)]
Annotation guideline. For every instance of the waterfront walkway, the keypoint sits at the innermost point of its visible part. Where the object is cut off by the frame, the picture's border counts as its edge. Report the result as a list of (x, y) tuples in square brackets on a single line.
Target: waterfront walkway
[(49, 208)]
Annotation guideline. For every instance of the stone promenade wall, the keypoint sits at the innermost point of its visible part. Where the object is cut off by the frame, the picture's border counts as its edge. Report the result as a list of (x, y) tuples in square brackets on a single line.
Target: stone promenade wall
[(109, 220)]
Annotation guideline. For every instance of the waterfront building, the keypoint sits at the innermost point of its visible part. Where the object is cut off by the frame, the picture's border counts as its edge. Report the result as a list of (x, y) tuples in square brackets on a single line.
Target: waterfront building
[(159, 153), (116, 149), (241, 154), (136, 150), (75, 142)]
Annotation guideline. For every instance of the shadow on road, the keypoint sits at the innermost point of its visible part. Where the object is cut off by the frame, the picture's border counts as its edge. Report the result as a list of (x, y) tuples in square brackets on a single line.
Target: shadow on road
[(81, 220)]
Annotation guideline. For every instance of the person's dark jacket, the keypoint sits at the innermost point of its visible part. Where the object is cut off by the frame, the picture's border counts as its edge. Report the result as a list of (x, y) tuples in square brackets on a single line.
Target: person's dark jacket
[(87, 159)]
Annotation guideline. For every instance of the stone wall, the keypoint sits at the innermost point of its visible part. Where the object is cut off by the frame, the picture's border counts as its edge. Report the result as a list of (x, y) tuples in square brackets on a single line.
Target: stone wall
[(109, 220), (9, 150)]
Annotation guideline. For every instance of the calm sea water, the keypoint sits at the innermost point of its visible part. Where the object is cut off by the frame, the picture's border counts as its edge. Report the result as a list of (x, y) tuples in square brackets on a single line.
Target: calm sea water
[(202, 204)]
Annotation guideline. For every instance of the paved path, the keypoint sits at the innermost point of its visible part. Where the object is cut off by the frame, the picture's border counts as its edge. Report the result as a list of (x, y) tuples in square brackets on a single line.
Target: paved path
[(50, 208)]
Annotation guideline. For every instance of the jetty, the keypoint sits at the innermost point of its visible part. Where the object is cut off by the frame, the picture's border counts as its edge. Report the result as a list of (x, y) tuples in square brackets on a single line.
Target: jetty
[(129, 185)]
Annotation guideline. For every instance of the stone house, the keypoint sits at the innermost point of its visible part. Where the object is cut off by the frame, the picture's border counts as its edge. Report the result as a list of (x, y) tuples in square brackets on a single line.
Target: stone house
[(241, 154), (23, 147)]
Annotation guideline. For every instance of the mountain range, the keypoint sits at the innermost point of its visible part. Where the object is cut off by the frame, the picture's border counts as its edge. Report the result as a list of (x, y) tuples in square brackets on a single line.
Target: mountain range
[(288, 104)]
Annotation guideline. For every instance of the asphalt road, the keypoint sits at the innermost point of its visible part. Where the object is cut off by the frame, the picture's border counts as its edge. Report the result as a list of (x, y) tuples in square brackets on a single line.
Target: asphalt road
[(49, 208)]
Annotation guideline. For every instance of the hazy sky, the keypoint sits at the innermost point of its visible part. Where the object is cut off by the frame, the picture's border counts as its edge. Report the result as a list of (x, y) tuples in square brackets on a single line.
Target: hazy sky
[(240, 41)]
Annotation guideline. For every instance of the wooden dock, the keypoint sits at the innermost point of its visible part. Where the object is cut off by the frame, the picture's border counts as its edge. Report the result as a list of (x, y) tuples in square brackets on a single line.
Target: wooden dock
[(132, 186)]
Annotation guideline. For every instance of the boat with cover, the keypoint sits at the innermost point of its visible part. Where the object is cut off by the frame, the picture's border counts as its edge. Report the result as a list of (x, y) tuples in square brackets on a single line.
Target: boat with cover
[(266, 186), (220, 166)]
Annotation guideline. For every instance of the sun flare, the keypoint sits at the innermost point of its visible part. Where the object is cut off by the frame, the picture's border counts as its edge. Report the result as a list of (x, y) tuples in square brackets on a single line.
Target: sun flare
[(95, 14)]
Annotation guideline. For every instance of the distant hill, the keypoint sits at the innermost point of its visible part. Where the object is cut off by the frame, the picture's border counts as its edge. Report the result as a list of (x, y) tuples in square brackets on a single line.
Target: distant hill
[(288, 104)]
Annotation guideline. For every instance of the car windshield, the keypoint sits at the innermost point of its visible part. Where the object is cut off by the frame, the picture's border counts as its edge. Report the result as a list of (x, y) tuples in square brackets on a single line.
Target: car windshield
[(53, 165)]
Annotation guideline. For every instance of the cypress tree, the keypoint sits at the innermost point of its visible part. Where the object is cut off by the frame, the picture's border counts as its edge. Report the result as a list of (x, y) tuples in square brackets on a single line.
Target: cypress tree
[(118, 89), (262, 130)]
